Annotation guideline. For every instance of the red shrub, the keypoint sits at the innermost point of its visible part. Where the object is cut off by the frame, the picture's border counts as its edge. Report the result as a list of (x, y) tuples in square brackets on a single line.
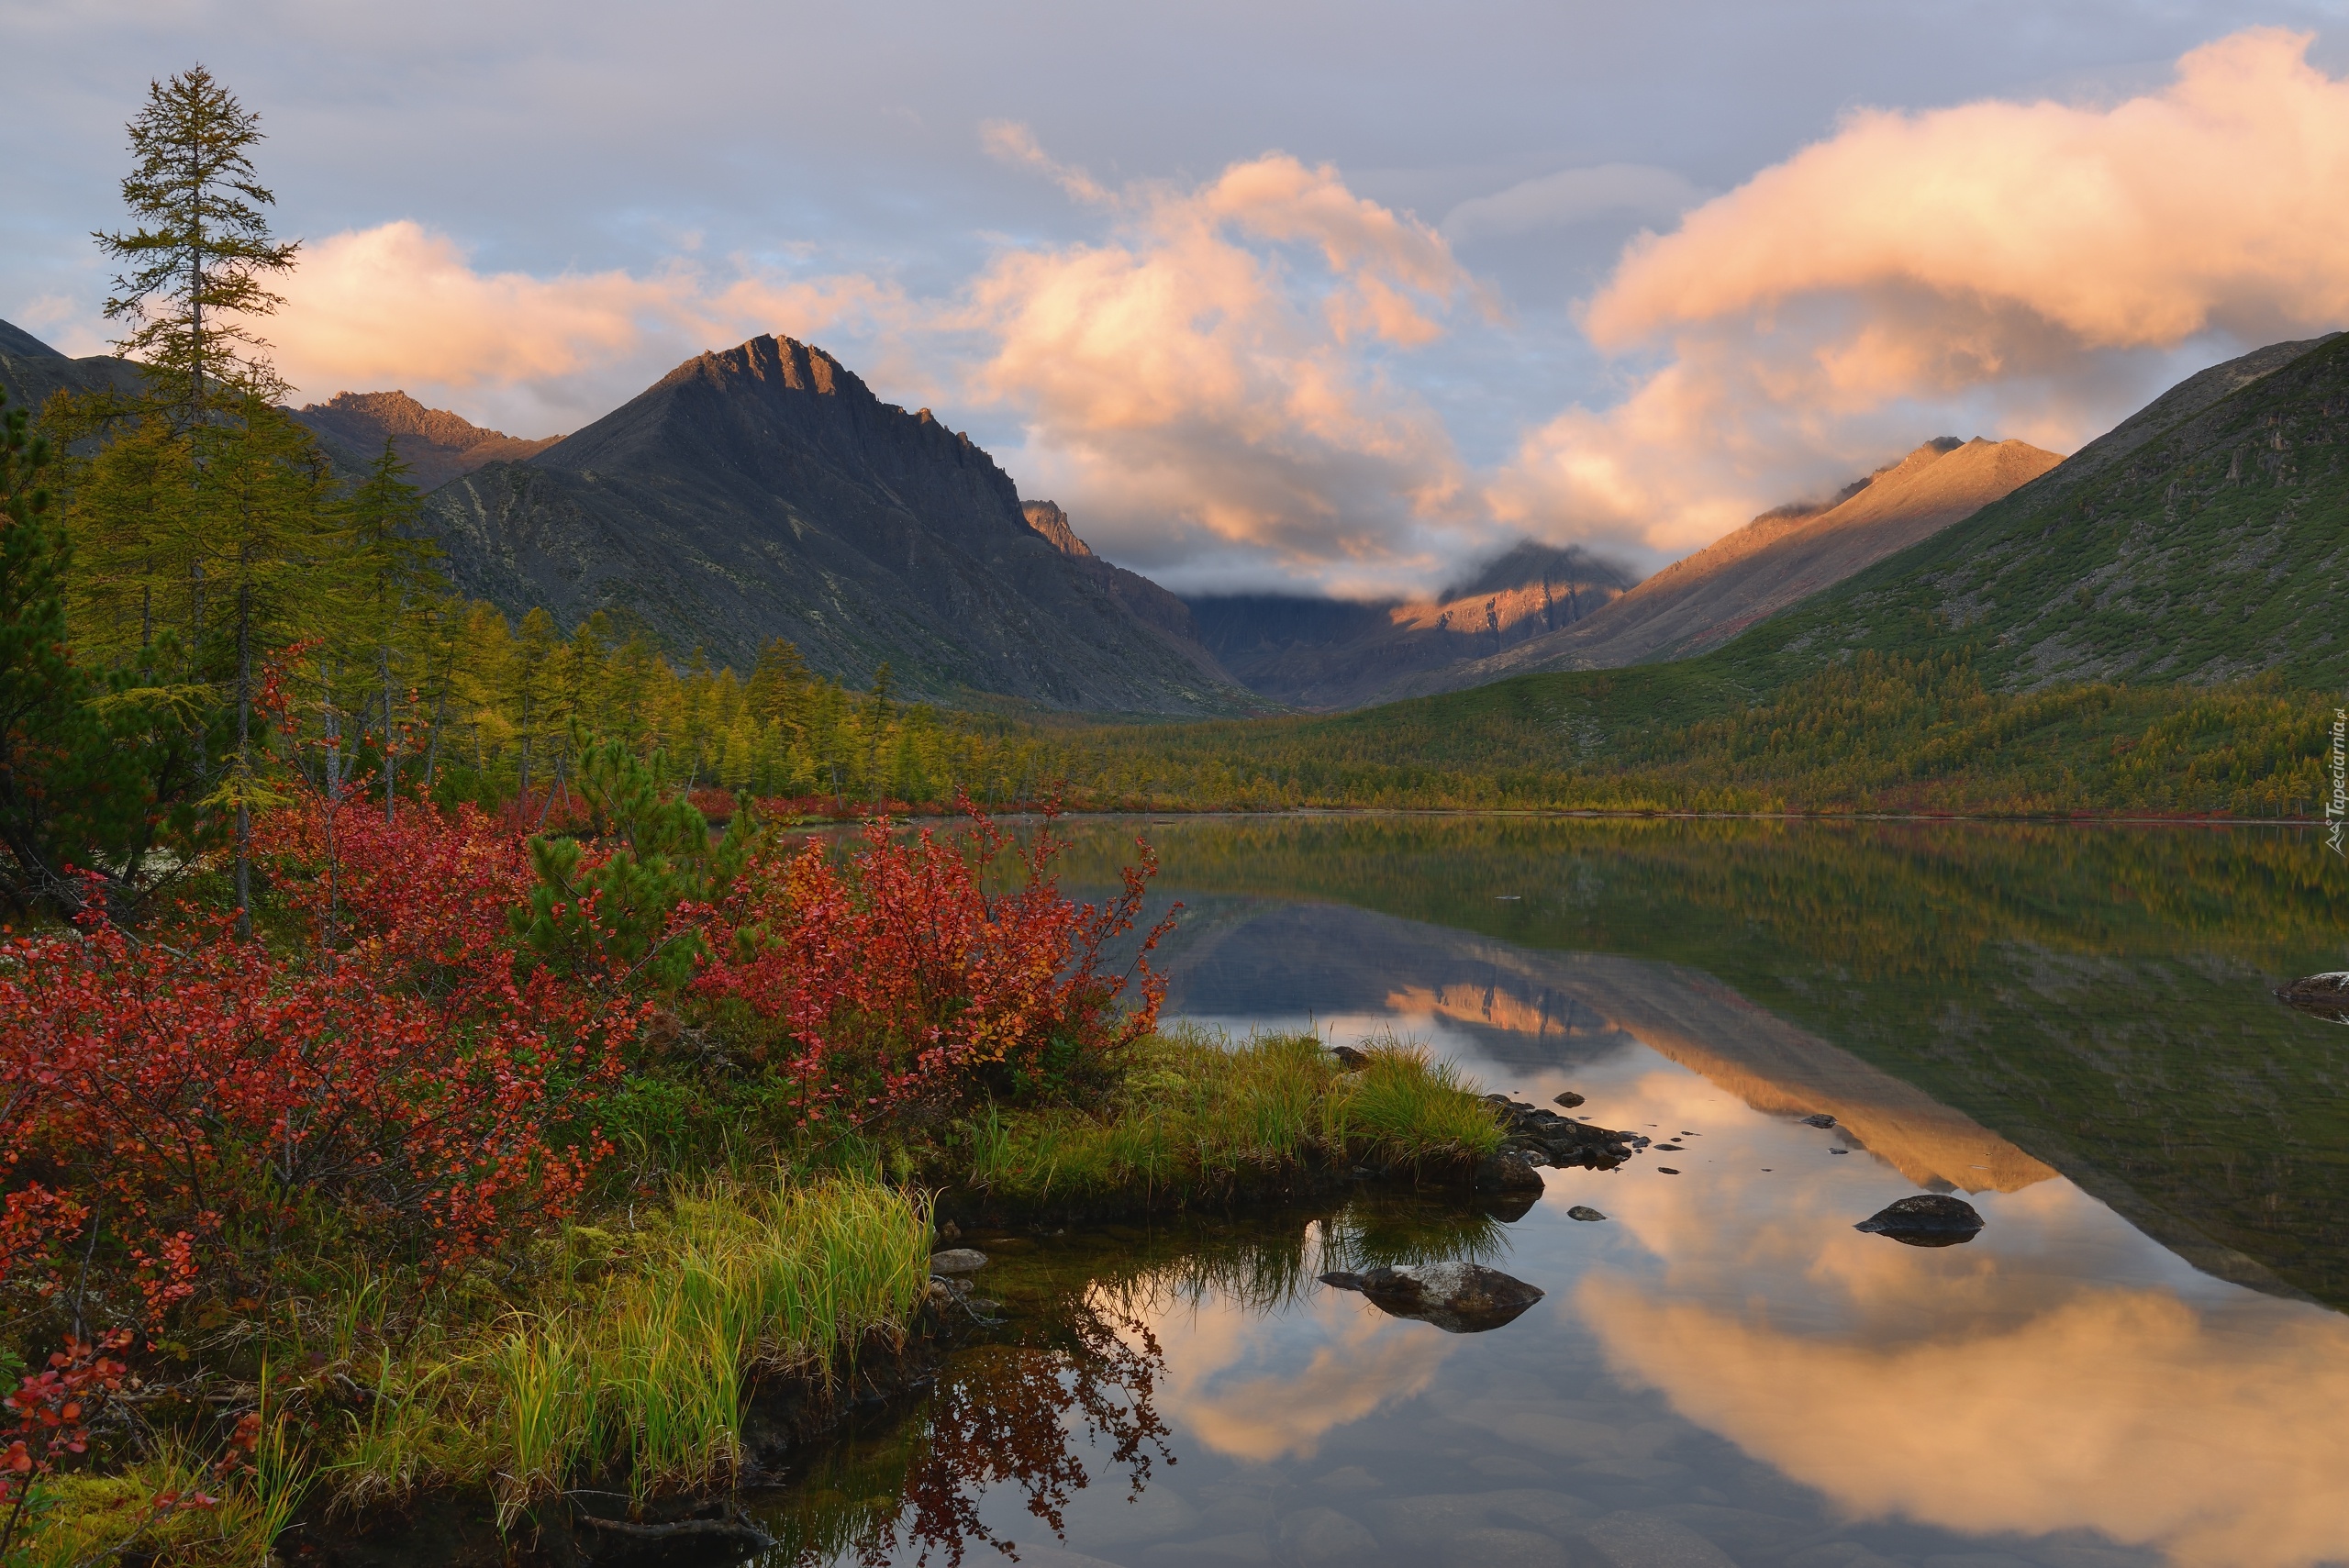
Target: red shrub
[(208, 1093), (897, 981)]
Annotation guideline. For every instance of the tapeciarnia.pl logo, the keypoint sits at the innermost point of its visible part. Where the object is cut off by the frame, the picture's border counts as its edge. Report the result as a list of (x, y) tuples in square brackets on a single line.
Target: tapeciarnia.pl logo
[(2336, 804)]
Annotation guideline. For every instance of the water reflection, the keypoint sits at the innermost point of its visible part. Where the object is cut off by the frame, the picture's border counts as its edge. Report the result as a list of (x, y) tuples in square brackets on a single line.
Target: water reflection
[(1724, 1371)]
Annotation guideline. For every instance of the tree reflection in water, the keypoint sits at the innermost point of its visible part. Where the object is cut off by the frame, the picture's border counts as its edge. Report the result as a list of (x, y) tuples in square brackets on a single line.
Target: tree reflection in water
[(1060, 1397)]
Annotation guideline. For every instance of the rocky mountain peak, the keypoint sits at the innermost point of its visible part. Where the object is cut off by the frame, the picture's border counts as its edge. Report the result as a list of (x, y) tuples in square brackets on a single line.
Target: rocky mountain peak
[(436, 445), (1052, 523)]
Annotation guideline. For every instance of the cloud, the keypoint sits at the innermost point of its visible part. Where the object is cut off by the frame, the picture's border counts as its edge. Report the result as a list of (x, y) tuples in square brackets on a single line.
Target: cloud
[(1999, 268), (1206, 387), (400, 305), (1571, 196)]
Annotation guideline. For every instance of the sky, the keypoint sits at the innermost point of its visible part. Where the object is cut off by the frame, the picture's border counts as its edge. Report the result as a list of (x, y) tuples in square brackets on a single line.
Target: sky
[(1267, 296)]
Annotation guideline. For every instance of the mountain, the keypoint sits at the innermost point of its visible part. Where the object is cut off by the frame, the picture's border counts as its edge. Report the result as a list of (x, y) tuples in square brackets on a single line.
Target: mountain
[(436, 445), (1779, 559), (2204, 539), (765, 492), (1333, 653), (1135, 594), (32, 371)]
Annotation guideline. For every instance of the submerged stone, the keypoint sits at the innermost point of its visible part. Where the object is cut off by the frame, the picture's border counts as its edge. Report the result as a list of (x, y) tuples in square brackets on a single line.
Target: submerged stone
[(1821, 1119), (1584, 1211), (1569, 1099), (1929, 1220)]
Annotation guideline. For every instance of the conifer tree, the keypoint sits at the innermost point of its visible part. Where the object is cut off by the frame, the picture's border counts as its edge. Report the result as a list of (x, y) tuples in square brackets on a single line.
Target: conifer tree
[(193, 267)]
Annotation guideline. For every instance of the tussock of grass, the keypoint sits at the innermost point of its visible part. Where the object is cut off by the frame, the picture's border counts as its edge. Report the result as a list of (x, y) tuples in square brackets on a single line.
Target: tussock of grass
[(636, 1356), (1198, 1115)]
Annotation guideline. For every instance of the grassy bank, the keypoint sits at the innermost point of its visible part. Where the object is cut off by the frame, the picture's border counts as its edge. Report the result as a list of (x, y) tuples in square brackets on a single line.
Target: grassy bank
[(628, 1352), (1195, 1117)]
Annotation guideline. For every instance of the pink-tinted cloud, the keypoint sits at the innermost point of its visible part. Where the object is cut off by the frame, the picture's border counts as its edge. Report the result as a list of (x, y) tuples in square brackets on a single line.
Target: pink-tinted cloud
[(2017, 269), (1204, 386), (400, 305)]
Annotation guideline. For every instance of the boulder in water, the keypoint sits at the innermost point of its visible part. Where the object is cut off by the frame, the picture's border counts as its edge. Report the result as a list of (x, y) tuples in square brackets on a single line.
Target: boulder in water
[(1929, 1220), (1510, 1172), (957, 1261), (1569, 1099), (2324, 996), (1821, 1119), (1459, 1298), (1583, 1211)]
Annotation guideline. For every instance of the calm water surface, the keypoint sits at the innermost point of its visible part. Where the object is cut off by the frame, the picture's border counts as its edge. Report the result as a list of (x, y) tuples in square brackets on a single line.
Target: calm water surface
[(2142, 1359)]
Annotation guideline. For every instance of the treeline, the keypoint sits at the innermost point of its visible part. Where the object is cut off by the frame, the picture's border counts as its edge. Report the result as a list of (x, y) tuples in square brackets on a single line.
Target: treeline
[(1875, 733)]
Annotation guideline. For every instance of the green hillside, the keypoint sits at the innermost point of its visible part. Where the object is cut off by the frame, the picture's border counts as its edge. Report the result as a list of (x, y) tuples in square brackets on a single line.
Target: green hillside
[(2202, 547)]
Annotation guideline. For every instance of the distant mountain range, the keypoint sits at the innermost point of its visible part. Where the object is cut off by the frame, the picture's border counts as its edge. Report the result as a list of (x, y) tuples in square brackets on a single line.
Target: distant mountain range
[(1779, 559), (1333, 653), (765, 492)]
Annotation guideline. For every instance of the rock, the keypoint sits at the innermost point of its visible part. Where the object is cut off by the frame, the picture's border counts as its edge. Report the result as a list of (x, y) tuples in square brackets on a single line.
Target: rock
[(1506, 1172), (2324, 996), (1821, 1119), (1562, 1141), (957, 1261), (1338, 1279), (1314, 1537), (1569, 1099), (1929, 1220), (1350, 1058), (1584, 1211), (1459, 1298), (1666, 1171)]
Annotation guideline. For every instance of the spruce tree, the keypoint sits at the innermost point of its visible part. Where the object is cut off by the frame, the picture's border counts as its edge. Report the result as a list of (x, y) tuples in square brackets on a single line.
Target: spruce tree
[(193, 268)]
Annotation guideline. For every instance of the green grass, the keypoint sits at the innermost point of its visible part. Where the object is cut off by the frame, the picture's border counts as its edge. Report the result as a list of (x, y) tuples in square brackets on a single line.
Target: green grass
[(1196, 1115)]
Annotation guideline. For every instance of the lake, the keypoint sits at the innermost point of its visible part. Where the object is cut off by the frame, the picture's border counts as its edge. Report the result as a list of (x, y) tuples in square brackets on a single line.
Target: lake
[(2141, 1358)]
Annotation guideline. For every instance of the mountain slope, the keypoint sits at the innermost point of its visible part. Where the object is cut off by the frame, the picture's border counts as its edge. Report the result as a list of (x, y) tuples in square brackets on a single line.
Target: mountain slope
[(765, 492), (1335, 653), (1136, 594), (1779, 559), (32, 371), (436, 445), (2202, 539)]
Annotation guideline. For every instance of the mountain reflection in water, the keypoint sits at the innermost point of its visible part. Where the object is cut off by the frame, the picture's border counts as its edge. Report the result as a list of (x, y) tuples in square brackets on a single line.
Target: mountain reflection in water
[(1724, 1372)]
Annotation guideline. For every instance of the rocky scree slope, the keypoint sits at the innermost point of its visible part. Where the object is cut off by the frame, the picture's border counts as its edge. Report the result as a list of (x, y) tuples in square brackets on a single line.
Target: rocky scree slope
[(2203, 540), (765, 492)]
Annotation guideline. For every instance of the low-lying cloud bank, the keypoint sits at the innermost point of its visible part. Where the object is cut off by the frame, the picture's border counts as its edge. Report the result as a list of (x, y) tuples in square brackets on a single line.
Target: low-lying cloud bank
[(1219, 383)]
